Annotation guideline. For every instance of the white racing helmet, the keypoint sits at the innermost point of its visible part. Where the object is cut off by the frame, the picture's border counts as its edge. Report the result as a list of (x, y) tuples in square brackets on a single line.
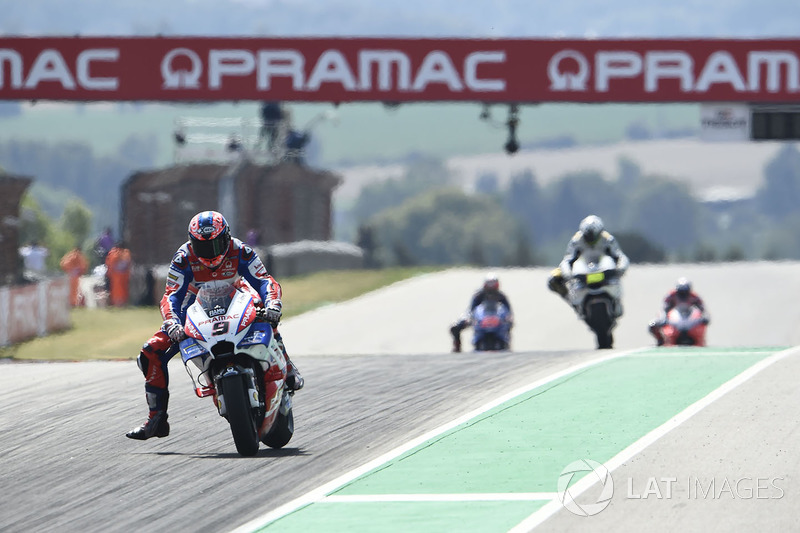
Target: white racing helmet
[(591, 227)]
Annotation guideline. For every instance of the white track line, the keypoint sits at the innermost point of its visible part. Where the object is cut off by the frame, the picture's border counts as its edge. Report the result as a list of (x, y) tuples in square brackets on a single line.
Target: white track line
[(465, 497), (637, 447), (701, 352), (321, 492)]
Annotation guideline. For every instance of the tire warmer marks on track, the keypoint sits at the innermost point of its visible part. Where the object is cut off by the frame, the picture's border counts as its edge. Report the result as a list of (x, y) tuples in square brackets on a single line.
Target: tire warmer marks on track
[(497, 468)]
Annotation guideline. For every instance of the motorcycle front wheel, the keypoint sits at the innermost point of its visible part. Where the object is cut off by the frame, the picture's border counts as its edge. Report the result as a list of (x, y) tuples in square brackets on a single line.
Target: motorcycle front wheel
[(600, 321), (240, 415)]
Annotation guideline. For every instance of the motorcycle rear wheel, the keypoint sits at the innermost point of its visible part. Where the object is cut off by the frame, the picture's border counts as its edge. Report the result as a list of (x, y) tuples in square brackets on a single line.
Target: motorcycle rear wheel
[(281, 432), (240, 415)]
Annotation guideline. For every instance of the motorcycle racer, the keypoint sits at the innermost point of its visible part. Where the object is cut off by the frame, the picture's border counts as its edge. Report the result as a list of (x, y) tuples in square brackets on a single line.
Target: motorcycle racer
[(489, 291), (210, 254), (681, 294), (591, 240)]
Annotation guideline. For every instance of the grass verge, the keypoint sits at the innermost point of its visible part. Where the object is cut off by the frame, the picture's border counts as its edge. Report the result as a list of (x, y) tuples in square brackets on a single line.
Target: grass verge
[(117, 334)]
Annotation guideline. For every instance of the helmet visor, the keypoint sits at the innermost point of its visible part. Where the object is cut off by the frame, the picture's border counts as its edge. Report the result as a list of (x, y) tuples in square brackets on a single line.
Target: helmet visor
[(211, 248)]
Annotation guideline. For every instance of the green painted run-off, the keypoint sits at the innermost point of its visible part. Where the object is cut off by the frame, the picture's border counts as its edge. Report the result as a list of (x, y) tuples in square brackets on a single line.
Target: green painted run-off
[(523, 445)]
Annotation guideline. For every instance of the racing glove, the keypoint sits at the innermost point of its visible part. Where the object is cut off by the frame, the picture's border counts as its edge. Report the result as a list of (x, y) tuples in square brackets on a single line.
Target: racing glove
[(174, 329), (272, 312)]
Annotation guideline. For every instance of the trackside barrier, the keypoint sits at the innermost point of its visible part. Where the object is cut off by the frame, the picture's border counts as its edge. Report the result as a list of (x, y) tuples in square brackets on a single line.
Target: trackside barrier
[(33, 310)]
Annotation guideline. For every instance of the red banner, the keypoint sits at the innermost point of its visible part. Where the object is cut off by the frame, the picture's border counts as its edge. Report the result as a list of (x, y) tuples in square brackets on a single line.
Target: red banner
[(399, 70)]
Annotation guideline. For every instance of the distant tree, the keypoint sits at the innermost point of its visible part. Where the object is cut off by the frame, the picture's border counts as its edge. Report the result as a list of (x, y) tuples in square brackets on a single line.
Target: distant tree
[(77, 221), (704, 253), (487, 183), (34, 223), (734, 253), (522, 255), (403, 254), (36, 226), (577, 195), (780, 193), (525, 198), (639, 249), (782, 241), (139, 150), (73, 168), (446, 227), (664, 212), (475, 255), (422, 175), (566, 206), (366, 241), (630, 173)]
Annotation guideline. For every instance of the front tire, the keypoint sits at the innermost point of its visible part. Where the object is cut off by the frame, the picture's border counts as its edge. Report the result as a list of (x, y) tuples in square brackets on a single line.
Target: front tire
[(600, 320), (240, 415)]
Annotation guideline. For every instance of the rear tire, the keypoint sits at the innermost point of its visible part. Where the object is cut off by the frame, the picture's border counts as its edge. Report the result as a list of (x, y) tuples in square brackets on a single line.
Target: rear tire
[(281, 432), (491, 342), (240, 415)]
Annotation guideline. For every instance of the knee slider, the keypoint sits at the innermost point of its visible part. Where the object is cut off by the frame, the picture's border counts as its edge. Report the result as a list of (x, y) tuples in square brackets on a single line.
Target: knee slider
[(143, 363)]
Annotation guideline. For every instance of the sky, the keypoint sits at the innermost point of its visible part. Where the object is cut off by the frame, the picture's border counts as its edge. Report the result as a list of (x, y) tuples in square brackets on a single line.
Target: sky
[(433, 18)]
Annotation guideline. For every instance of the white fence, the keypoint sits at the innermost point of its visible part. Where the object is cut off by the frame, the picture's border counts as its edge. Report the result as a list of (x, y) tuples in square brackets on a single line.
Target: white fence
[(34, 310)]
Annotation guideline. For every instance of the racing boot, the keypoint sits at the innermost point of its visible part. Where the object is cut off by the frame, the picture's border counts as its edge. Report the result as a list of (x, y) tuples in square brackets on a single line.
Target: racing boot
[(455, 331), (294, 381), (556, 283), (655, 331), (156, 424)]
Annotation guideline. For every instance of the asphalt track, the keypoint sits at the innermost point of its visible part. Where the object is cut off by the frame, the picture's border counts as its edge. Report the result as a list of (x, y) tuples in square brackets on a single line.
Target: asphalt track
[(380, 375)]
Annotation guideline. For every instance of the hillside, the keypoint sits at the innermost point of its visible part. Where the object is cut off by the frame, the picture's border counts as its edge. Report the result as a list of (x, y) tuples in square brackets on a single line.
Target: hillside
[(713, 170)]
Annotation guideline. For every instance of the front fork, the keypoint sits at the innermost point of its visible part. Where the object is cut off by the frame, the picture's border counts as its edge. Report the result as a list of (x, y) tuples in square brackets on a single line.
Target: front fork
[(248, 376)]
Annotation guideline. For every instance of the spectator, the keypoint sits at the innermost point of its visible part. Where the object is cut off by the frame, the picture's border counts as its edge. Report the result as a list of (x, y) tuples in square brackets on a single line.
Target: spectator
[(118, 265), (271, 117), (234, 143), (75, 264), (34, 257), (253, 237), (296, 142), (104, 244)]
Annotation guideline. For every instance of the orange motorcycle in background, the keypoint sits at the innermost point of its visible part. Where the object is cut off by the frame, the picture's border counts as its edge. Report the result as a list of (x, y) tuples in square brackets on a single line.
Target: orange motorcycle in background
[(685, 326)]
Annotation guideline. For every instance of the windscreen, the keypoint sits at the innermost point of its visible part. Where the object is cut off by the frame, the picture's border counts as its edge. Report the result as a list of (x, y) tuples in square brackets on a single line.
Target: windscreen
[(215, 297)]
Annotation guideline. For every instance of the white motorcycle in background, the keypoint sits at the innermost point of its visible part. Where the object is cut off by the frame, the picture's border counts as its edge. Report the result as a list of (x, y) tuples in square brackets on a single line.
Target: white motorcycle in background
[(234, 358), (595, 292)]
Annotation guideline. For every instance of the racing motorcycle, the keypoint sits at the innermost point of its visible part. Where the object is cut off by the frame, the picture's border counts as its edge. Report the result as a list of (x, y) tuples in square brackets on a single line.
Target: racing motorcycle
[(595, 293), (685, 326), (234, 358), (491, 325)]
